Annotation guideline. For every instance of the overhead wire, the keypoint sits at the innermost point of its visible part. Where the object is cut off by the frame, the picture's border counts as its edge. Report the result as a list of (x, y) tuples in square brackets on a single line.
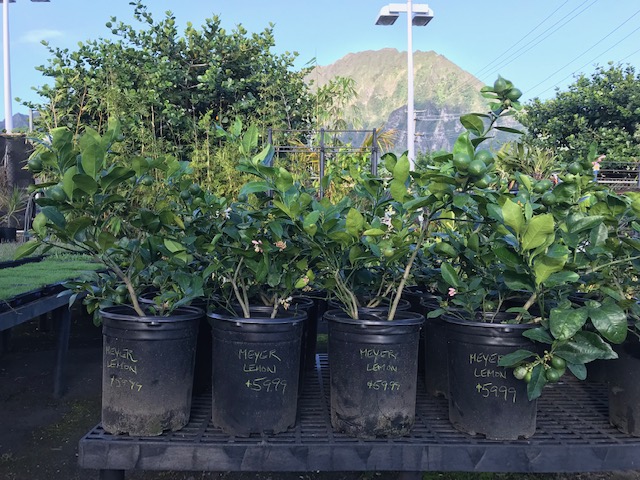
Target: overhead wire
[(593, 60), (529, 45), (587, 51)]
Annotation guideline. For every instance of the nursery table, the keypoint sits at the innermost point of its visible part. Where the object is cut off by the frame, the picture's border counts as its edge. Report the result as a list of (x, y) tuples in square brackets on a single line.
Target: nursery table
[(573, 435), (56, 303)]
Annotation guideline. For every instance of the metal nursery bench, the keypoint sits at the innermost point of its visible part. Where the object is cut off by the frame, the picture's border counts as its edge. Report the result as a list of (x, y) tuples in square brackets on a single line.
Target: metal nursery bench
[(56, 303), (573, 435)]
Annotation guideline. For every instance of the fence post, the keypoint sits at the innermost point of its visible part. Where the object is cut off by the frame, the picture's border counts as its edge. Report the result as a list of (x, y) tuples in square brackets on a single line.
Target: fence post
[(321, 163), (374, 153)]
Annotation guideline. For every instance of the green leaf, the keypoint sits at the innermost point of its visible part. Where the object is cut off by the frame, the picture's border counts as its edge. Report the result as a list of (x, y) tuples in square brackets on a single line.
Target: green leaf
[(576, 225), (513, 216), (85, 183), (578, 369), (284, 180), (173, 246), (514, 358), (309, 223), (565, 323), (67, 181), (539, 334), (561, 278), (510, 130), (464, 145), (355, 253), (374, 232), (538, 231), (473, 123), (354, 223), (401, 169), (537, 383), (26, 249), (610, 320), (254, 187), (585, 347), (506, 256), (398, 190), (54, 216), (92, 153), (516, 281), (115, 177), (449, 274), (249, 140), (544, 266)]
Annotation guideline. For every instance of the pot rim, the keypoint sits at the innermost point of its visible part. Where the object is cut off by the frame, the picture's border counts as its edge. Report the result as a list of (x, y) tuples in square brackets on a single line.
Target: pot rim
[(410, 318)]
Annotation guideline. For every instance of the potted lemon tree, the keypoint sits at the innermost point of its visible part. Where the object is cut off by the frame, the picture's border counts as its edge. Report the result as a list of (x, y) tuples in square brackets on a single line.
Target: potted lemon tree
[(93, 205)]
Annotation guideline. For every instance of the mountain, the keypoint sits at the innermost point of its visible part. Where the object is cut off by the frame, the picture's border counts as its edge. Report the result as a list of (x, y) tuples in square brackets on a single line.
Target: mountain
[(442, 92), (20, 121)]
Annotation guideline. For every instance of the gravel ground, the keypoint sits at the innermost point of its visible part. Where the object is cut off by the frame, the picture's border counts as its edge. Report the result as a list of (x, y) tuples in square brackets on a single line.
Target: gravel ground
[(39, 434)]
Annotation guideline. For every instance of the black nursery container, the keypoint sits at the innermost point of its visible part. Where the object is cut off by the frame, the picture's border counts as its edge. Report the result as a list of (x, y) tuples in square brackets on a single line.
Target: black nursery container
[(147, 371), (256, 367), (624, 387), (484, 398), (373, 366)]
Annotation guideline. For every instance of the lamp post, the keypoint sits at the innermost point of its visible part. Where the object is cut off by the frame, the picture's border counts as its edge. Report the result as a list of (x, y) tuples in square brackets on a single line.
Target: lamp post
[(8, 114), (420, 15)]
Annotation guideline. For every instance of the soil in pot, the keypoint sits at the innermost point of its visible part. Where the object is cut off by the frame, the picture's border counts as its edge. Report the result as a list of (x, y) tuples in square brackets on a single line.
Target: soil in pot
[(373, 373), (256, 367), (147, 373), (484, 398)]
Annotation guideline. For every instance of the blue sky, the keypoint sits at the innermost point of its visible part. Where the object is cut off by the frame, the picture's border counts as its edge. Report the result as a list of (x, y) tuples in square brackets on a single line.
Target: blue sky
[(537, 44)]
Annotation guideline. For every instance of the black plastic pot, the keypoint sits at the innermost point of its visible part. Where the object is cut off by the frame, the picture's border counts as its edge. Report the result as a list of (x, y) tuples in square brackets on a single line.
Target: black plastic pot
[(202, 369), (256, 366), (484, 398), (624, 387), (8, 234), (421, 302), (373, 373), (147, 372)]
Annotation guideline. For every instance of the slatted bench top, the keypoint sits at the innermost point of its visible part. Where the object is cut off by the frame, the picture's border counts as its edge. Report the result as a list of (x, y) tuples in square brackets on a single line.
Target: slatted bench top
[(573, 435)]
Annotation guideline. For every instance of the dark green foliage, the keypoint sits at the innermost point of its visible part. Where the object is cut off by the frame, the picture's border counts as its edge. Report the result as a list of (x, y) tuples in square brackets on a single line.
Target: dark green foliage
[(601, 109), (171, 92)]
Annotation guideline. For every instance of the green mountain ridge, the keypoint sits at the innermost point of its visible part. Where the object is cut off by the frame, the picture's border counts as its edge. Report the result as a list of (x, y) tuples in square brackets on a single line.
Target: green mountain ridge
[(442, 92)]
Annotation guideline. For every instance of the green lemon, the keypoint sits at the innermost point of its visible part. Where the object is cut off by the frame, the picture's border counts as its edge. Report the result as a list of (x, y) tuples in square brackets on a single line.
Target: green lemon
[(56, 193), (185, 194), (553, 375), (34, 165), (558, 363), (146, 180), (539, 187), (195, 189), (520, 372), (485, 155), (388, 252), (574, 168), (500, 84), (514, 94), (527, 376), (461, 161), (121, 290), (477, 168), (549, 199), (484, 182)]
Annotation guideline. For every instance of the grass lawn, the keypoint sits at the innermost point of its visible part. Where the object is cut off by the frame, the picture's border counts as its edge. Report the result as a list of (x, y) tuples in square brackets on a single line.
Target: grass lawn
[(51, 270)]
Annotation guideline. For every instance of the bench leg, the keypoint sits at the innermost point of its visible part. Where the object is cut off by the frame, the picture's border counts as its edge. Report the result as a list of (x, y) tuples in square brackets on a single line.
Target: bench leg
[(62, 316), (111, 474)]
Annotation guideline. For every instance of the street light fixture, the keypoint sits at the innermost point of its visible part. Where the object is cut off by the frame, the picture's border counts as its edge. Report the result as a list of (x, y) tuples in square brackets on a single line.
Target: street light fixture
[(8, 114), (419, 15)]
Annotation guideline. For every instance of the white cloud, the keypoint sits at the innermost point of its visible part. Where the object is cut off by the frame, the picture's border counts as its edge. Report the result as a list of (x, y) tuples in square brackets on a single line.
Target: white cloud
[(36, 36)]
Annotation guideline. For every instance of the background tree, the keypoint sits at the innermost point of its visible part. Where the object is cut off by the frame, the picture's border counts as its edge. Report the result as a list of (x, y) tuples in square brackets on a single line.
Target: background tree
[(602, 108), (172, 92)]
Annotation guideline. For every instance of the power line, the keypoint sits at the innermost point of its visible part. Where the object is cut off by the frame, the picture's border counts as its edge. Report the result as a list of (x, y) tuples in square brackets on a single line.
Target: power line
[(593, 60), (520, 51), (585, 52), (481, 71)]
